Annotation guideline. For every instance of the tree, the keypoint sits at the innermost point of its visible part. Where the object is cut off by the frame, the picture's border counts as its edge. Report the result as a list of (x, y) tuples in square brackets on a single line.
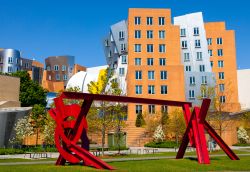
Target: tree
[(159, 135), (31, 92), (242, 135), (139, 120), (38, 117), (49, 130)]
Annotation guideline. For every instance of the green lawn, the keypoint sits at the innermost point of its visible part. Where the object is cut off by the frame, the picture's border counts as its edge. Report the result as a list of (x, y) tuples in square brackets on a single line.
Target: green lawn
[(217, 164)]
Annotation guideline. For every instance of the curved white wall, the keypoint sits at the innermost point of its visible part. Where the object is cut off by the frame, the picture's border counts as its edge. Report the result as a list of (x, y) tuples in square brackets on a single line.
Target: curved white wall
[(243, 88)]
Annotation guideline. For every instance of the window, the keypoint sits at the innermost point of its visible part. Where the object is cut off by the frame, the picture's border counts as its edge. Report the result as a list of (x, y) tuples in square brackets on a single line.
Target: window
[(48, 68), (151, 89), (1, 60), (149, 20), (137, 61), (221, 75), (57, 77), (149, 34), (220, 63), (123, 47), (138, 89), (138, 74), (10, 69), (197, 43), (204, 80), (50, 77), (110, 54), (162, 61), (151, 109), (56, 68), (219, 41), (10, 60), (64, 68), (151, 75), (161, 21), (183, 32), (222, 87), (220, 52), (184, 44), (121, 35), (191, 94), (162, 34), (162, 48), (164, 109), (199, 56), (209, 41), (222, 99), (202, 68), (192, 80), (124, 59), (137, 47), (26, 65), (121, 71), (150, 61), (203, 93), (137, 34), (164, 75), (150, 48), (196, 31), (188, 68), (186, 57), (164, 89), (111, 38), (106, 43), (65, 77), (137, 20), (211, 63), (138, 109), (210, 52)]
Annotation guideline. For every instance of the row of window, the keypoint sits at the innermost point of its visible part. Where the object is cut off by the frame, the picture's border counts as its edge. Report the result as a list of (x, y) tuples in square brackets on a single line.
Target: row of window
[(197, 44), (196, 32), (150, 61), (151, 109), (220, 63), (150, 34), (58, 77), (150, 48), (151, 89), (219, 41), (219, 52), (191, 94), (56, 68), (151, 75), (149, 20)]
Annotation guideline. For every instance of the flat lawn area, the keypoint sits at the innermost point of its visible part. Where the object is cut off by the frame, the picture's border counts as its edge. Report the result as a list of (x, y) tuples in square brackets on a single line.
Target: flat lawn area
[(188, 164)]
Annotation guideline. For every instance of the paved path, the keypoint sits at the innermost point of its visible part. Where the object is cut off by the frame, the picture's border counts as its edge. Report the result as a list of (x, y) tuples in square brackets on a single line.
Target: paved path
[(114, 159)]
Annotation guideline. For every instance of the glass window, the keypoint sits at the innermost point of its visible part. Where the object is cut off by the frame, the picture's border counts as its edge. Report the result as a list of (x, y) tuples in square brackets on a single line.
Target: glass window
[(151, 109), (151, 75), (137, 20), (222, 87), (48, 68), (124, 59), (150, 61), (151, 89), (137, 34), (64, 68), (57, 77), (184, 44), (138, 89), (164, 89), (1, 60), (204, 80), (186, 57), (183, 32), (10, 60), (149, 34), (10, 69), (65, 77), (138, 109), (137, 47), (162, 34), (149, 20), (162, 61), (210, 52), (221, 75), (202, 68), (220, 52), (209, 41), (162, 48), (219, 41), (223, 99), (188, 68), (121, 71), (164, 109), (220, 63), (123, 47), (199, 55), (191, 94), (121, 35), (192, 80), (138, 74), (197, 43), (196, 31), (161, 21), (164, 75), (203, 93), (137, 61), (56, 68), (150, 48), (211, 63)]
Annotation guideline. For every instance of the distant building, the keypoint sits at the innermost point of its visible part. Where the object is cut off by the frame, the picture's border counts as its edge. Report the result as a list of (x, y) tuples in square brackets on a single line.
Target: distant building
[(9, 60), (243, 87)]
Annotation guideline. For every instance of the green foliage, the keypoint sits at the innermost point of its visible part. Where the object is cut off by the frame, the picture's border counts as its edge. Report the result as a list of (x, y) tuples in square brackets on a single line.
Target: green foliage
[(10, 151), (164, 144), (139, 120), (31, 93), (241, 144)]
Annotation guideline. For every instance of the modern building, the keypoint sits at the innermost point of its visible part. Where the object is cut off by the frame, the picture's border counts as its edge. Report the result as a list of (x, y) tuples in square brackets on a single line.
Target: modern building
[(243, 76), (195, 57), (9, 60)]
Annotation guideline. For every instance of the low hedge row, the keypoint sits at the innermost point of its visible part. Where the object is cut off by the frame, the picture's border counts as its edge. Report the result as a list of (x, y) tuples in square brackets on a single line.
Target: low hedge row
[(10, 151), (164, 144), (241, 144)]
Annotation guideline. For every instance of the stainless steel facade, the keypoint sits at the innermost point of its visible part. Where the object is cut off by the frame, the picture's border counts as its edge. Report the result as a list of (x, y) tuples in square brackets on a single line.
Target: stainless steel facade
[(9, 60)]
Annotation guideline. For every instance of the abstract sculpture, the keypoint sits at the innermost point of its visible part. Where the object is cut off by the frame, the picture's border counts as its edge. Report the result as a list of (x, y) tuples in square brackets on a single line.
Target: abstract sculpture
[(68, 132)]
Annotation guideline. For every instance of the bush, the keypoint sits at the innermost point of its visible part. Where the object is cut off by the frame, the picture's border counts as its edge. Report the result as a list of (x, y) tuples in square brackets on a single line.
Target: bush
[(139, 120), (10, 151), (164, 144), (241, 144)]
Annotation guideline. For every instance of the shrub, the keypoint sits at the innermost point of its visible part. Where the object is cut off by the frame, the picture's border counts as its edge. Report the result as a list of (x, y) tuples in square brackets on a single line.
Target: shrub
[(165, 144), (139, 120)]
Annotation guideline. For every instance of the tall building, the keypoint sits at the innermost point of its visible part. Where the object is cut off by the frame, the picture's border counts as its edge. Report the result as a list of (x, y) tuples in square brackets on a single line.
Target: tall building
[(9, 60), (195, 57), (222, 50), (145, 51)]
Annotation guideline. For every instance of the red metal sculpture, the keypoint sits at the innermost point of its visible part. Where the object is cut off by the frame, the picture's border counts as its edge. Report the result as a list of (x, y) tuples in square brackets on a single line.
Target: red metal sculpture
[(69, 132)]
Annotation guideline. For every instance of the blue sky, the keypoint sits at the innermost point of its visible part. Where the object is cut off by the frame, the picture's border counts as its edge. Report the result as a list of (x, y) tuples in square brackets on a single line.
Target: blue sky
[(42, 28)]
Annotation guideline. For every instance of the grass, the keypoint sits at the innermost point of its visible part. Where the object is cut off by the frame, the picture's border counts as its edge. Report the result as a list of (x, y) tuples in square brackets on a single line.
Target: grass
[(188, 164)]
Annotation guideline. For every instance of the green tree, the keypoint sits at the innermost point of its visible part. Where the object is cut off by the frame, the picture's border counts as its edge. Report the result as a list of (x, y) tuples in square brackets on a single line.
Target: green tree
[(38, 118), (31, 92), (139, 122)]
